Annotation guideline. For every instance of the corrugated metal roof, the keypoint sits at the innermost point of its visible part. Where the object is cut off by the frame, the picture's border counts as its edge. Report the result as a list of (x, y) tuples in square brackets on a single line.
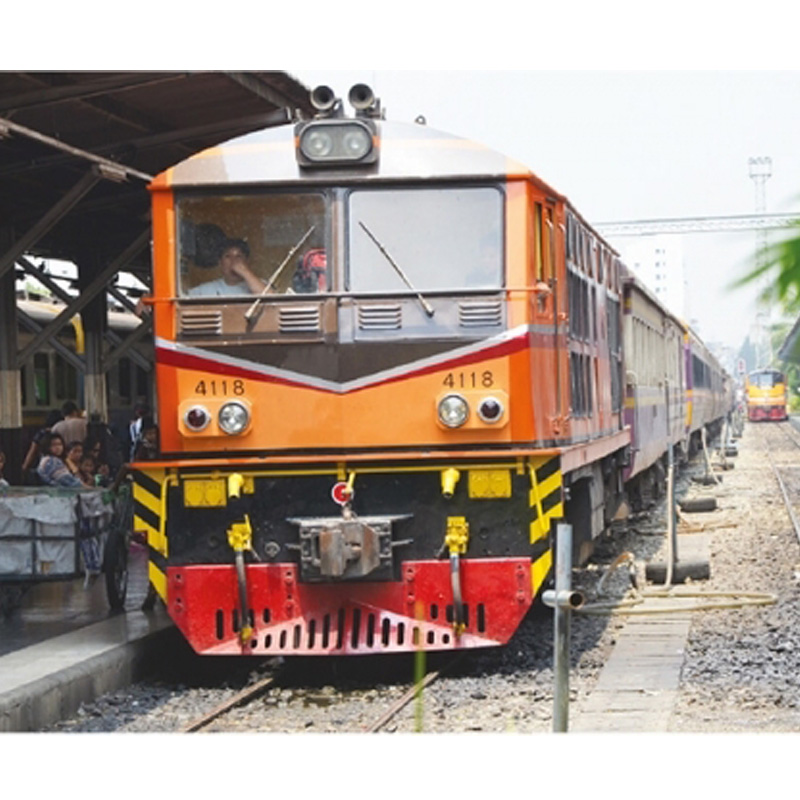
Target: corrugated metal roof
[(146, 121)]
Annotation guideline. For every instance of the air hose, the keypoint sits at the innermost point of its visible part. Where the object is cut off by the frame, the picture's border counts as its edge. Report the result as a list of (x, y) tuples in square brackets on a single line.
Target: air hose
[(637, 605)]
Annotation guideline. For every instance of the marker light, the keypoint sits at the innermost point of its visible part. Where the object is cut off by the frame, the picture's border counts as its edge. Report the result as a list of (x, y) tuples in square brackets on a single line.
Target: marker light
[(197, 418), (490, 410), (453, 411), (233, 418)]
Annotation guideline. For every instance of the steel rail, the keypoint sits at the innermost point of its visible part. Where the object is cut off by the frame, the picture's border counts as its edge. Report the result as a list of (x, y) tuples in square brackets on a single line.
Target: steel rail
[(403, 701), (246, 694), (782, 486), (254, 690), (408, 696)]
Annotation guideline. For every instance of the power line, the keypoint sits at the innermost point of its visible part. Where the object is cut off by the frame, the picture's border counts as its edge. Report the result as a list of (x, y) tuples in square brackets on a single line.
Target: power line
[(742, 222)]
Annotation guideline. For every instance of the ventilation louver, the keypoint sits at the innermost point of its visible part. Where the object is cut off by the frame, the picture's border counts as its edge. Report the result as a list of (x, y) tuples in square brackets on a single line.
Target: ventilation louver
[(480, 314), (299, 319), (201, 323), (384, 317)]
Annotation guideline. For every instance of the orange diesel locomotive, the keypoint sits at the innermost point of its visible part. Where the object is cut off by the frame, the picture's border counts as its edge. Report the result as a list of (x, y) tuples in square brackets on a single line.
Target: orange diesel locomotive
[(385, 357)]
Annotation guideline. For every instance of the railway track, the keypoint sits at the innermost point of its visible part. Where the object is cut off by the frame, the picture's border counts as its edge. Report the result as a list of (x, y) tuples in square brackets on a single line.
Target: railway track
[(253, 692), (781, 442), (740, 671)]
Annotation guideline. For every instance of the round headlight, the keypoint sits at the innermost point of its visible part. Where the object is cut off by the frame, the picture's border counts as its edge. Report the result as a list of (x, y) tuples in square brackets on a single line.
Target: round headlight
[(490, 410), (233, 418), (317, 144), (356, 143), (196, 418), (453, 411)]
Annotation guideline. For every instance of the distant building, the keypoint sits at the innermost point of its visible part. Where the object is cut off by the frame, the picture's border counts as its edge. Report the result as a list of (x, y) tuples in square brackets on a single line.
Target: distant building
[(657, 261)]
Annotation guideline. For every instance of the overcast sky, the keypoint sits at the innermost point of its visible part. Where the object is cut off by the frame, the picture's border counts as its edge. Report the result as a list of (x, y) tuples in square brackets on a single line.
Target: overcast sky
[(628, 146)]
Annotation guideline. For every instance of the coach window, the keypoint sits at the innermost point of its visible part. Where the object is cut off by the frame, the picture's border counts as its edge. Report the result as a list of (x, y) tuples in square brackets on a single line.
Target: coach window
[(282, 237), (538, 241), (439, 238), (572, 299), (41, 379), (549, 245), (568, 238), (573, 238), (66, 379)]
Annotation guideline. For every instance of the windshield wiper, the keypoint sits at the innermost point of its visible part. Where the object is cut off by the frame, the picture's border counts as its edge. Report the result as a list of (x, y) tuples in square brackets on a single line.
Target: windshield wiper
[(254, 311), (425, 304)]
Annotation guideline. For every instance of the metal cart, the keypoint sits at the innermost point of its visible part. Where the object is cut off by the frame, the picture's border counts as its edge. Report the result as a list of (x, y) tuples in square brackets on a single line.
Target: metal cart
[(57, 534)]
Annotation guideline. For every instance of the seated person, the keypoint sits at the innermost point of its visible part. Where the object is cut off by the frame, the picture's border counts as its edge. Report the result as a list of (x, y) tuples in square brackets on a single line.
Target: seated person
[(102, 470), (73, 456), (52, 469), (310, 275), (88, 471), (237, 277), (34, 452), (3, 481), (147, 449)]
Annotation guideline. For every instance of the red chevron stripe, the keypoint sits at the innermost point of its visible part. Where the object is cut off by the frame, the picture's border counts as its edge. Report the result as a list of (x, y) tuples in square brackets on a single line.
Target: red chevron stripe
[(184, 360)]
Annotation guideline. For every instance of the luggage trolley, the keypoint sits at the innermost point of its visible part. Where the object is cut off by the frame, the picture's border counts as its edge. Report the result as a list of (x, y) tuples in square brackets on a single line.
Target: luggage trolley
[(59, 534)]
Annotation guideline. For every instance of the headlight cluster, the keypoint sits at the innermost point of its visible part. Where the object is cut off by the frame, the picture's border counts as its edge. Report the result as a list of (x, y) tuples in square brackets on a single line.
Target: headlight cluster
[(454, 410), (232, 418), (336, 142)]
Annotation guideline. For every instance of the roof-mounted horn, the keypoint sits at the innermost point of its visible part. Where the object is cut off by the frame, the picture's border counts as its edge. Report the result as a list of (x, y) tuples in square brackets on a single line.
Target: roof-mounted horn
[(325, 101), (363, 100)]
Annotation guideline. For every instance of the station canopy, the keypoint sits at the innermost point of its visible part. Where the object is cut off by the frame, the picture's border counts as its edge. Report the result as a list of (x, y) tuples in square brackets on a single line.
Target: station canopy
[(77, 150)]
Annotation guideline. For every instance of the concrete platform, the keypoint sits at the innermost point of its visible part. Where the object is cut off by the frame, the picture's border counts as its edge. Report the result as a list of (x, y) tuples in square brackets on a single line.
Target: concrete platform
[(638, 687), (50, 609), (64, 647), (48, 681)]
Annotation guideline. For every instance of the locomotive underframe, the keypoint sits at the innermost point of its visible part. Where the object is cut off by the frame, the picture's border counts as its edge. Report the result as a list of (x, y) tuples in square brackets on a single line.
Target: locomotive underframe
[(376, 575)]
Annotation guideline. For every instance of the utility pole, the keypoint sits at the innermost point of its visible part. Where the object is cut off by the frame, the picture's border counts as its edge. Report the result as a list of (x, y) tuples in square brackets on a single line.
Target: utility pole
[(760, 172)]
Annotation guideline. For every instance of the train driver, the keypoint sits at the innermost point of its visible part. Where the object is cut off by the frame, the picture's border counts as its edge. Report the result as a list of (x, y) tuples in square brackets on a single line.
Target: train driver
[(237, 277)]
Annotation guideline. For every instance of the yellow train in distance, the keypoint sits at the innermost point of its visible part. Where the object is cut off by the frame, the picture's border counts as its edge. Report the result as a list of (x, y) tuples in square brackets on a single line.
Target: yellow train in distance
[(766, 395)]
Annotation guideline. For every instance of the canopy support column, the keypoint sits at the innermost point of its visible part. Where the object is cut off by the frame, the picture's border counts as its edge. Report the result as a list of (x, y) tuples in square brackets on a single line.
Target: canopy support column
[(11, 433)]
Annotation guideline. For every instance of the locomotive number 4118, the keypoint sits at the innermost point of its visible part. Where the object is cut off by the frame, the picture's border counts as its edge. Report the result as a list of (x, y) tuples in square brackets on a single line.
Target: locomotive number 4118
[(469, 380), (219, 387)]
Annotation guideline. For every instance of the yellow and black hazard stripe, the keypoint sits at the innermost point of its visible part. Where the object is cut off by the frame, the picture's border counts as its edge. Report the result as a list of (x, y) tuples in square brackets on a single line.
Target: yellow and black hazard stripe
[(149, 516), (547, 505)]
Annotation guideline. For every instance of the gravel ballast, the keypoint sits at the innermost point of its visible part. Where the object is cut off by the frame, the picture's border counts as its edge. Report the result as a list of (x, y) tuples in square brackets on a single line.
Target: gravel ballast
[(741, 670)]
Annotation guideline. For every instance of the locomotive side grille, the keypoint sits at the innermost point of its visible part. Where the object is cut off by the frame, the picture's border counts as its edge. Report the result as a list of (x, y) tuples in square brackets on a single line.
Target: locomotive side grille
[(480, 314), (299, 319), (201, 323), (382, 317)]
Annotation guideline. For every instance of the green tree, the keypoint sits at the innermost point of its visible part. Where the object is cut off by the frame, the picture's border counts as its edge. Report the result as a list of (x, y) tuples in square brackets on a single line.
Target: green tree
[(782, 265)]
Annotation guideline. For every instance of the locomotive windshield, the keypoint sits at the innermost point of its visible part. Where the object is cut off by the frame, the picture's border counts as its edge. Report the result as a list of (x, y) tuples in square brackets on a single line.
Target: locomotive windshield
[(766, 380), (239, 245), (440, 239)]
